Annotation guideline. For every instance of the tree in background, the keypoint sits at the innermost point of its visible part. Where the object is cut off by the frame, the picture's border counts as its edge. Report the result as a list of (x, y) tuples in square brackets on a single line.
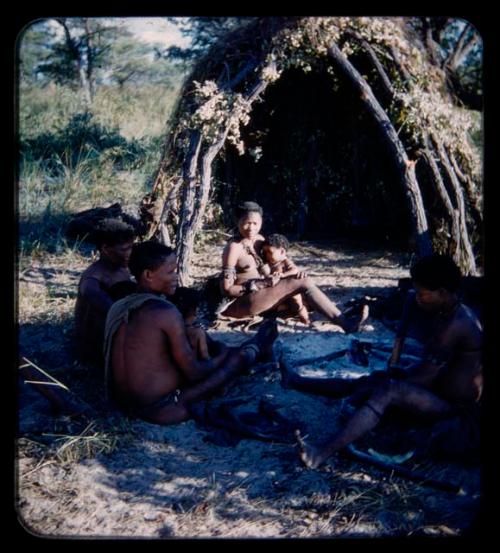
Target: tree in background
[(75, 51), (203, 32), (83, 53), (35, 46), (133, 62), (456, 46)]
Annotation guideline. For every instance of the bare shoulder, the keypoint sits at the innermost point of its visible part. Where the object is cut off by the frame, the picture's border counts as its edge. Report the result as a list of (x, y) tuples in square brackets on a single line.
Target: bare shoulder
[(259, 242), (92, 271), (467, 322), (463, 328), (232, 249), (233, 244), (159, 309)]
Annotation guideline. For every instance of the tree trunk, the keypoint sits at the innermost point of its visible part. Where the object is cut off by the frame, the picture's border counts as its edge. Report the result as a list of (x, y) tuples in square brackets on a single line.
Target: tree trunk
[(162, 229), (227, 197), (405, 166), (462, 48), (453, 214), (472, 196), (458, 217), (184, 248), (469, 262), (89, 69), (406, 77), (377, 65), (199, 205), (80, 63), (192, 213)]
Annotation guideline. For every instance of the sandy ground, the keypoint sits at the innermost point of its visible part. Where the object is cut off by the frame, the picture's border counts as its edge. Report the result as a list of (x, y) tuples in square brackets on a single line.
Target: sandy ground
[(127, 478)]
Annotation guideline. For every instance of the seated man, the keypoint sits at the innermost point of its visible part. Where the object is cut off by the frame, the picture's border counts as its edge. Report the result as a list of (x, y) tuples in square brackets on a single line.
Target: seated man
[(114, 239), (444, 387), (152, 371)]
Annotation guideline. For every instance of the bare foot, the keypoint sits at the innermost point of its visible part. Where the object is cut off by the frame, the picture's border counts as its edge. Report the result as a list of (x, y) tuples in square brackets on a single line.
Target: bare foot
[(309, 455), (303, 315), (263, 341), (352, 320)]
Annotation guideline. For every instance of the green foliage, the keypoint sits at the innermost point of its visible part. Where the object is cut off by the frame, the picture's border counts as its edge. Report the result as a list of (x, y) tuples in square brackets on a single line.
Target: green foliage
[(89, 52), (73, 161), (203, 32), (34, 47), (82, 138), (72, 44)]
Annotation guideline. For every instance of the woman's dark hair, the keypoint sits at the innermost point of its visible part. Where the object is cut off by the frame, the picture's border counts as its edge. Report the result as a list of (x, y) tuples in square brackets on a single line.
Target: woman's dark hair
[(111, 232), (186, 299), (277, 241), (147, 255), (436, 271), (248, 207)]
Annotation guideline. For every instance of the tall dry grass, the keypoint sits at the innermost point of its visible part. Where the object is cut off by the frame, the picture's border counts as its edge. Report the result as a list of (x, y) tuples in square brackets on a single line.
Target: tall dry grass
[(49, 193)]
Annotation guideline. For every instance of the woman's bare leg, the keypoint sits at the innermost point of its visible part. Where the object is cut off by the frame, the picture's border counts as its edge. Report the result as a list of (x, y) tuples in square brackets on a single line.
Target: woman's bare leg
[(268, 298)]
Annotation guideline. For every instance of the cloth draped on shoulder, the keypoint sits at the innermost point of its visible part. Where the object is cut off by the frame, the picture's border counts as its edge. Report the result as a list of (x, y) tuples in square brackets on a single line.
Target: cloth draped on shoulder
[(119, 313)]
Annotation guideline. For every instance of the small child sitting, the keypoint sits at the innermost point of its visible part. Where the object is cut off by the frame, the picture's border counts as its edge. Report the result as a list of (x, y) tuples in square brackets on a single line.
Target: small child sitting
[(187, 301), (278, 265)]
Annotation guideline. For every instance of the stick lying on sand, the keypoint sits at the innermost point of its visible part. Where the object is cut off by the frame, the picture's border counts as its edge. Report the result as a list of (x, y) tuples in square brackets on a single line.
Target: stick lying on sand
[(351, 452), (328, 357), (59, 395)]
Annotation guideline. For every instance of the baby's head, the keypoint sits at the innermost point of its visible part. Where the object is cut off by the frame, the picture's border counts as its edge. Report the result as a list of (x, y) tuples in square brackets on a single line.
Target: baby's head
[(274, 248), (187, 301)]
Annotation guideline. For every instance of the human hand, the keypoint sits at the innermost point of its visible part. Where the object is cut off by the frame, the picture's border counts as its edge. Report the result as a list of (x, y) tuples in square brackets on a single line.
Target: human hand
[(301, 274), (275, 279), (263, 283)]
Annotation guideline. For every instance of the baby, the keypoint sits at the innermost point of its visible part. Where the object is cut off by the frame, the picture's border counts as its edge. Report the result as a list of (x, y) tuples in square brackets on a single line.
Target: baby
[(278, 265), (187, 301)]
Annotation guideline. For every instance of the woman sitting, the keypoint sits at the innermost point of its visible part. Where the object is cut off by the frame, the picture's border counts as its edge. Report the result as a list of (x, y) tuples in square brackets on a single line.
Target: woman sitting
[(252, 294)]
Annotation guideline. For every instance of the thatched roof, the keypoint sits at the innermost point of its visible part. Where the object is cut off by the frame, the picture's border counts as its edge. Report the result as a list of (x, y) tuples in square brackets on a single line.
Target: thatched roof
[(379, 61)]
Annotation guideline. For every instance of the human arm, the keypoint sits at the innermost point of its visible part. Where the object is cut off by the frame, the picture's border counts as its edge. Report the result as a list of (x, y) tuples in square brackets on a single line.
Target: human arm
[(265, 270), (172, 325), (401, 332), (290, 269), (230, 257), (95, 296), (439, 352), (198, 339)]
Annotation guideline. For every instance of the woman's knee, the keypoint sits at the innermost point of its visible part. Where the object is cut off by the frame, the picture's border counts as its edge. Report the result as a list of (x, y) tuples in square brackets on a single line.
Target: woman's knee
[(386, 392), (304, 284)]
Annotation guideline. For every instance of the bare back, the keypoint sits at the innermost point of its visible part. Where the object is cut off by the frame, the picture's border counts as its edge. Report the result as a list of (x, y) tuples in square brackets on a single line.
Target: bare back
[(92, 305), (149, 353)]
